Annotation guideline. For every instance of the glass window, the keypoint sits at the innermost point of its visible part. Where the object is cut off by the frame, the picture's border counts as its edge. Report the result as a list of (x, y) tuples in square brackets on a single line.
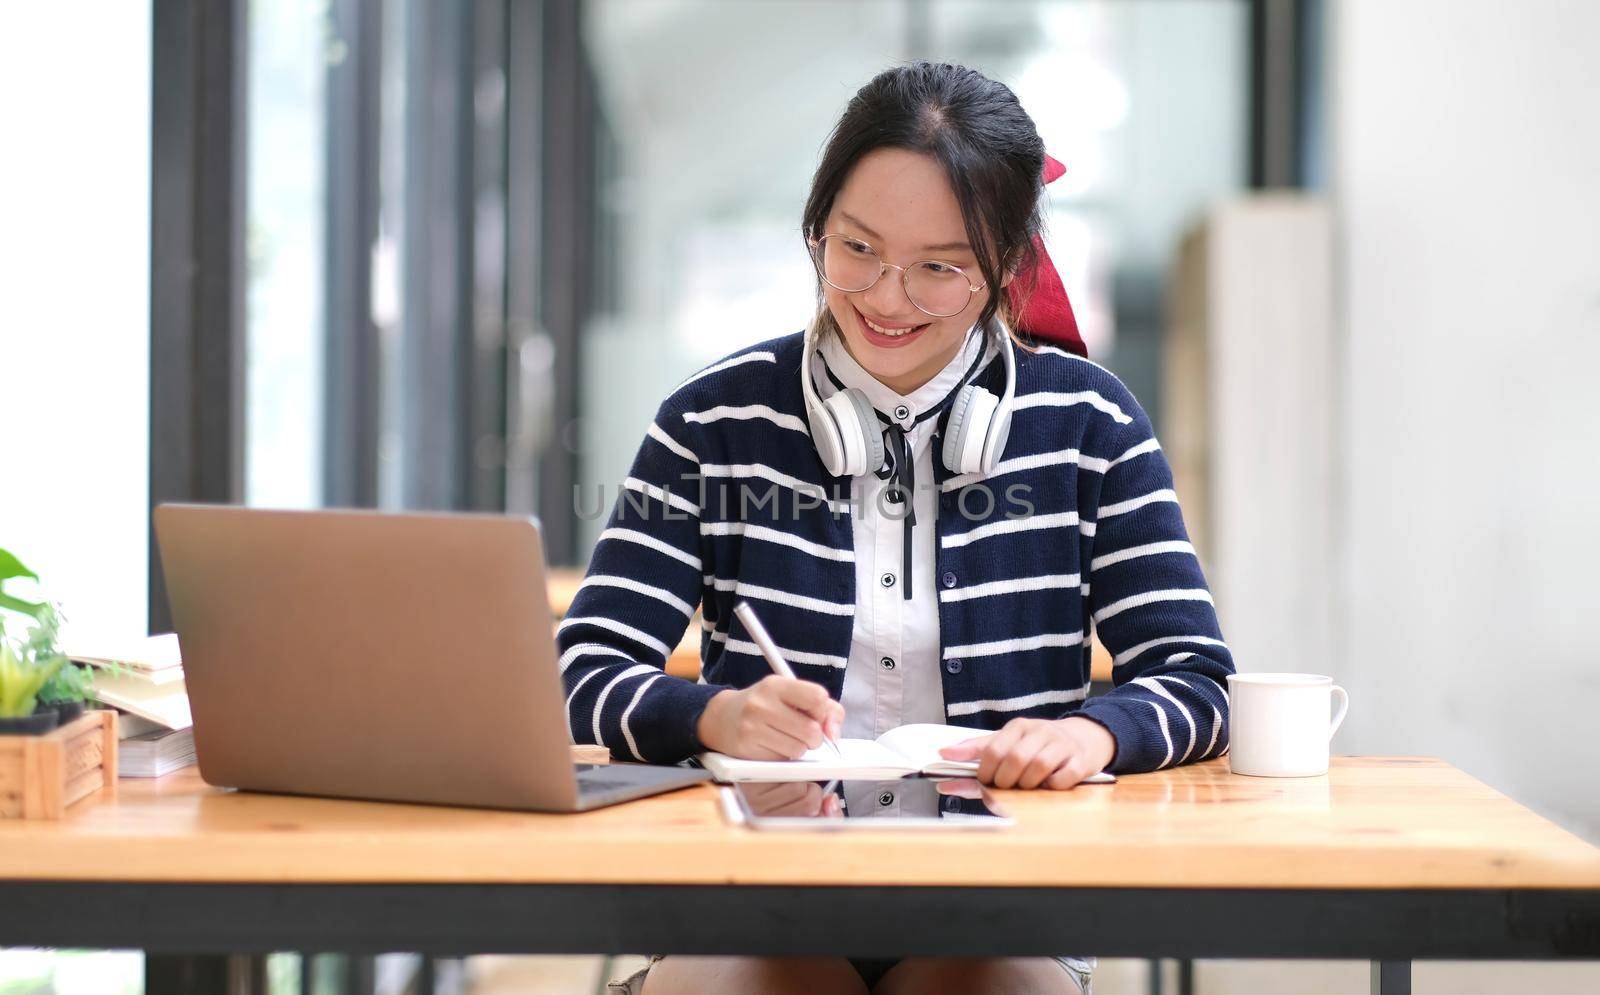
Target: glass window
[(290, 49), (377, 252)]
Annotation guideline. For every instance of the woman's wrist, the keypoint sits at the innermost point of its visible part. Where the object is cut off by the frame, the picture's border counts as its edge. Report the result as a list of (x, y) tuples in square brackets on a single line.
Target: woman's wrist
[(708, 728), (1101, 738)]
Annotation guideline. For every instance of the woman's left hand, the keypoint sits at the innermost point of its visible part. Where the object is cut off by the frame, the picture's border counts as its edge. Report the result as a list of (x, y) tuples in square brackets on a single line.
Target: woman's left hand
[(1035, 753)]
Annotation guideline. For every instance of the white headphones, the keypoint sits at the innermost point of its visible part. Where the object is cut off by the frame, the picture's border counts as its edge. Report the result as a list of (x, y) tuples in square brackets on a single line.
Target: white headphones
[(845, 428)]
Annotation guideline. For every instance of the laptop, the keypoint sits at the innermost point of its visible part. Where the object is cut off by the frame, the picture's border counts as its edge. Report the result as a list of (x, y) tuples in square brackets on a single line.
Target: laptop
[(397, 657)]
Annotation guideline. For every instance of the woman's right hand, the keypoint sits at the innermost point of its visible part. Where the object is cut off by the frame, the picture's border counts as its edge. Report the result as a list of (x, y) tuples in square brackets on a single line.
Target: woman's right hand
[(777, 718)]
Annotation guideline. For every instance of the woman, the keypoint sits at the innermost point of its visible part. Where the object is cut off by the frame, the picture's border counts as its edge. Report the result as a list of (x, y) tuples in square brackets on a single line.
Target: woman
[(928, 512)]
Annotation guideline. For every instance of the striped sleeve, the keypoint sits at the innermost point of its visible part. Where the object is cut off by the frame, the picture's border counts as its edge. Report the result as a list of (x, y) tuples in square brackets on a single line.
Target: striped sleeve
[(1149, 603), (642, 587)]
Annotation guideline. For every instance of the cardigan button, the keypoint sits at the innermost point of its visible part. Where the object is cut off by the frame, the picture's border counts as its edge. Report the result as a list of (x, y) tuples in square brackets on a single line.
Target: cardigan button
[(949, 578), (954, 666), (887, 580)]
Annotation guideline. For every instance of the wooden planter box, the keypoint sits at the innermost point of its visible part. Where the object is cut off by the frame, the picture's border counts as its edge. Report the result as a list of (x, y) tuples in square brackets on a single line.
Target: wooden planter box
[(41, 775)]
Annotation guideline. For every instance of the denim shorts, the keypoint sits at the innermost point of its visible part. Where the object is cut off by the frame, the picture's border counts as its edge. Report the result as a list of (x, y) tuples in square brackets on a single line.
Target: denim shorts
[(1079, 969)]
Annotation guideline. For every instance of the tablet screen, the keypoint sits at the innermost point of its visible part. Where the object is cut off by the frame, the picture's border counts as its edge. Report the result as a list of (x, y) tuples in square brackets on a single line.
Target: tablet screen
[(901, 801)]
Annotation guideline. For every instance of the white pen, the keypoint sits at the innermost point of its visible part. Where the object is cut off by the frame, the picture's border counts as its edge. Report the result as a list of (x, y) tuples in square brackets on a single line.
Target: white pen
[(769, 649)]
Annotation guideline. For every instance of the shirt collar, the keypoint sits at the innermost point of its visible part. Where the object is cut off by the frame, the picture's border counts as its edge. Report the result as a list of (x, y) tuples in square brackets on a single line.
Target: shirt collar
[(882, 397)]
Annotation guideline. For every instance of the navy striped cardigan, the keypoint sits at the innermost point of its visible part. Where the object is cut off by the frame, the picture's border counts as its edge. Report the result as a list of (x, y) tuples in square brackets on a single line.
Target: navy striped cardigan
[(1078, 527)]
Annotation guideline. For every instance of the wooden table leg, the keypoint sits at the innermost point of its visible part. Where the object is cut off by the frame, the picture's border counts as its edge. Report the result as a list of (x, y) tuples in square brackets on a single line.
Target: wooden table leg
[(1391, 977)]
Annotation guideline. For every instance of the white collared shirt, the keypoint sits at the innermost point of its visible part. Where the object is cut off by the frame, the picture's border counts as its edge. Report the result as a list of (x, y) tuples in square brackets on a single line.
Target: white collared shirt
[(892, 674)]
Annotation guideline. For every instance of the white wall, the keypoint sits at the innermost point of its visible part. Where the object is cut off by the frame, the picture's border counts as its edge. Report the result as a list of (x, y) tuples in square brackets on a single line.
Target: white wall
[(75, 303), (1467, 176), (1259, 409)]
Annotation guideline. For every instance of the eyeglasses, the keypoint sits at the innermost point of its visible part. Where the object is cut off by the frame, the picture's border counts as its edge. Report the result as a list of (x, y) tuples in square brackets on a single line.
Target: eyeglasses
[(851, 266)]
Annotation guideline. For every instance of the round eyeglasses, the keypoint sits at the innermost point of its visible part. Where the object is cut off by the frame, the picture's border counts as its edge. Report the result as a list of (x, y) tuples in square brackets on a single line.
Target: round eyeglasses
[(849, 265)]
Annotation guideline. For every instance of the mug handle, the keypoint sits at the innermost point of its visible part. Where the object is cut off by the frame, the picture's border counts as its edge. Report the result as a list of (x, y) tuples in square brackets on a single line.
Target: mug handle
[(1344, 706)]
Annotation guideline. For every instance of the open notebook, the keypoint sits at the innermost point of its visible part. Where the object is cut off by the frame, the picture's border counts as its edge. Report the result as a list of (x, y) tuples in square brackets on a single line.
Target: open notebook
[(909, 749)]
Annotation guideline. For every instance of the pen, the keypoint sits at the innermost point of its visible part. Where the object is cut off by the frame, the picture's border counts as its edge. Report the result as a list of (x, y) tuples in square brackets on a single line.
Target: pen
[(769, 649)]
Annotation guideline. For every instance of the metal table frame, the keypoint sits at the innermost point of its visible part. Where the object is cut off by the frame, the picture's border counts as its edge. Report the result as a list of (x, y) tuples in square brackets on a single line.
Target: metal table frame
[(1388, 927)]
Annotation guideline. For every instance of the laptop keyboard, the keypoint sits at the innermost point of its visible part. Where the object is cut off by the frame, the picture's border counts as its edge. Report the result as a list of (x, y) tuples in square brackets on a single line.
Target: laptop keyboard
[(625, 775), (598, 777), (600, 782), (592, 775)]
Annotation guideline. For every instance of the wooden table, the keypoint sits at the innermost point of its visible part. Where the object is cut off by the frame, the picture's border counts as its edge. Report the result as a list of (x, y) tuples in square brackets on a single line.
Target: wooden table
[(1385, 859)]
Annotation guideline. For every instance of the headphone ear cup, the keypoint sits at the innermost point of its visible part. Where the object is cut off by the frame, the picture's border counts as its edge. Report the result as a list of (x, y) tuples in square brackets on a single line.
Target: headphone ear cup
[(871, 434), (967, 428), (825, 436), (860, 445), (998, 433), (955, 429)]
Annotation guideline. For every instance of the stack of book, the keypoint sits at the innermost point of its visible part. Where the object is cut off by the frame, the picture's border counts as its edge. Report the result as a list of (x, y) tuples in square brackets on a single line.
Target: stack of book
[(154, 753), (143, 679)]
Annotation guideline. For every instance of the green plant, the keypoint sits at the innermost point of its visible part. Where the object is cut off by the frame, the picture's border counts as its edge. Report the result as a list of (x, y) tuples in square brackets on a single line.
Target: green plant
[(72, 682), (32, 669), (20, 681), (11, 567)]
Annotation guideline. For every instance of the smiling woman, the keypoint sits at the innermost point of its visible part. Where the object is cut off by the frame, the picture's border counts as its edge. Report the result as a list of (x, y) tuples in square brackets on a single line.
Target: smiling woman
[(918, 557)]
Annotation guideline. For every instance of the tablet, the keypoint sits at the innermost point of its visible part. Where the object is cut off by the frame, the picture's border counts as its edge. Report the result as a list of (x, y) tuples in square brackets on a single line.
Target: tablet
[(903, 803)]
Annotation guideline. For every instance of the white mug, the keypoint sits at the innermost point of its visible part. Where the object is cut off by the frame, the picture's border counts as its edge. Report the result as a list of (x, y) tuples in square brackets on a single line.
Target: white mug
[(1278, 724)]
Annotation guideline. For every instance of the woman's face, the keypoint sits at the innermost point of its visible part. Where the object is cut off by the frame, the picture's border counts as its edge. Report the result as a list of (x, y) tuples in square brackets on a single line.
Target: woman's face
[(900, 203)]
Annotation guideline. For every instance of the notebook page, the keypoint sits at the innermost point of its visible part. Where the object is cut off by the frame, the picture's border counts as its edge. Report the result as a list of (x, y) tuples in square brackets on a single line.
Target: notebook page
[(920, 742), (858, 758)]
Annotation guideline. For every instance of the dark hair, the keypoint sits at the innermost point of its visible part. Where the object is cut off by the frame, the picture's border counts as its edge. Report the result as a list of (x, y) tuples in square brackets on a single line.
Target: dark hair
[(977, 131)]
